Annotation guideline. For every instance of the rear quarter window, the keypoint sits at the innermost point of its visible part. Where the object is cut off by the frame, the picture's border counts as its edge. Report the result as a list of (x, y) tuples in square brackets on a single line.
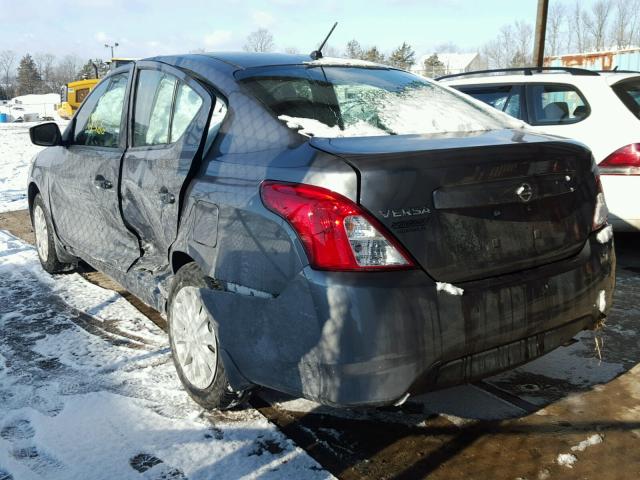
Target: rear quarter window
[(629, 92), (555, 104)]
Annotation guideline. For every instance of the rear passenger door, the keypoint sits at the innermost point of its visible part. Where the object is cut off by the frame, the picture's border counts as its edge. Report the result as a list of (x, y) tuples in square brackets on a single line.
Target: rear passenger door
[(169, 115)]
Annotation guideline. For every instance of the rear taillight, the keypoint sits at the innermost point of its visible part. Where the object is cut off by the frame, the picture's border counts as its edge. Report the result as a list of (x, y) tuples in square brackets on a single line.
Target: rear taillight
[(624, 161), (336, 233), (601, 211)]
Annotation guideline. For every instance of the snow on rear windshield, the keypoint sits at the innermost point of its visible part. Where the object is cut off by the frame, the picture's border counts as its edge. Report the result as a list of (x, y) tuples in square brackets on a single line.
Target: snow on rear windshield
[(353, 102)]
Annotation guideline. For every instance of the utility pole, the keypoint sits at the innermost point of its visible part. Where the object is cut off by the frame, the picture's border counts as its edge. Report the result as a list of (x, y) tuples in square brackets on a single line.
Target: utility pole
[(111, 47), (541, 31)]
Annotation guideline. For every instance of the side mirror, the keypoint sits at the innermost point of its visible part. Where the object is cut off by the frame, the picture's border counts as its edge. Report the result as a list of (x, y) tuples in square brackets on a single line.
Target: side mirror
[(46, 135)]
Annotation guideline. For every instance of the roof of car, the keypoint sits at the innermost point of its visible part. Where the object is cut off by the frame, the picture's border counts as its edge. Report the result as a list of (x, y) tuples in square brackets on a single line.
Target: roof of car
[(553, 76), (258, 59)]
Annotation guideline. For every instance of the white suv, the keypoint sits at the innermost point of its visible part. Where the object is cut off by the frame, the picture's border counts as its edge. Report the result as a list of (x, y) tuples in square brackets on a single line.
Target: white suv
[(599, 109)]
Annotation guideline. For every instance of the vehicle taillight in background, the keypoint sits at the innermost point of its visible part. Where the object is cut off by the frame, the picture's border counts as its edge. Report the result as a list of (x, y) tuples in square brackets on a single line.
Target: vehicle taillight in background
[(336, 233), (624, 161), (601, 211)]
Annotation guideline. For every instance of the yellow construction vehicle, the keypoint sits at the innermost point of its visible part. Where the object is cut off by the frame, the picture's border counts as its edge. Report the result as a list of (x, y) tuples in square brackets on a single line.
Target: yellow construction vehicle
[(73, 94)]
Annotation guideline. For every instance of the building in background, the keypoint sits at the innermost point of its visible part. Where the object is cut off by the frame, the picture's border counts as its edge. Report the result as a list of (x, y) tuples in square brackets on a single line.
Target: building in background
[(627, 59)]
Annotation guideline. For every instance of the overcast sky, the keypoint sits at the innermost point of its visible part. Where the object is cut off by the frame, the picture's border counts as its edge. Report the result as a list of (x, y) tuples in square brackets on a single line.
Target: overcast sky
[(150, 27)]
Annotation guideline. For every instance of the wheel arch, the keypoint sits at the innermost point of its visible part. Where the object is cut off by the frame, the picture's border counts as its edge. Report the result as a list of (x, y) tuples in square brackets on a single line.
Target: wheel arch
[(179, 259), (32, 191)]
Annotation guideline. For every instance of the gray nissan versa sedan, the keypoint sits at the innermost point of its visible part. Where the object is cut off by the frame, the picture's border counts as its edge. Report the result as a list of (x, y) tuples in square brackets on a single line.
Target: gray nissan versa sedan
[(342, 231)]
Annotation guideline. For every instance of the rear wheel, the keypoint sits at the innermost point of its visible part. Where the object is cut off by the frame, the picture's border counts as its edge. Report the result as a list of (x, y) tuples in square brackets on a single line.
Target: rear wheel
[(194, 343), (45, 243)]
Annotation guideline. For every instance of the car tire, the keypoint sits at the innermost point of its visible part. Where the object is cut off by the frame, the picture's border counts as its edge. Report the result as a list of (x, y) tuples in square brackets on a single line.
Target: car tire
[(194, 343), (45, 242)]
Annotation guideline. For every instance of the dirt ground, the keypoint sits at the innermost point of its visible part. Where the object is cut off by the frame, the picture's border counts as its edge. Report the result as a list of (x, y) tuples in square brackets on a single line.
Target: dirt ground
[(568, 415)]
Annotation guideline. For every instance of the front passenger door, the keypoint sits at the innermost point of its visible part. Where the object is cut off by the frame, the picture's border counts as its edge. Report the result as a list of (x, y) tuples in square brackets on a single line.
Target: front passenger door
[(86, 176)]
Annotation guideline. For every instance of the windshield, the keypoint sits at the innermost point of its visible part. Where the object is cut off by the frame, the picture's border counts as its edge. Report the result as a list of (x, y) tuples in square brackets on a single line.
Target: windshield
[(345, 101), (629, 93)]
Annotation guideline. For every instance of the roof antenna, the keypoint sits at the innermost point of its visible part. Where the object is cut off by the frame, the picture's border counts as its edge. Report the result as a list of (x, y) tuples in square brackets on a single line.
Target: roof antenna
[(317, 54)]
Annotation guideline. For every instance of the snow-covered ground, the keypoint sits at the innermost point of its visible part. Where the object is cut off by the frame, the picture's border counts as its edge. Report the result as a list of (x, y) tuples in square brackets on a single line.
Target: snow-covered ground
[(16, 151), (88, 391)]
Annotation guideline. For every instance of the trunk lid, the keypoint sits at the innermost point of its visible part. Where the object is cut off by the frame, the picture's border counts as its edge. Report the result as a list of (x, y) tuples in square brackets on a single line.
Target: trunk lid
[(477, 205)]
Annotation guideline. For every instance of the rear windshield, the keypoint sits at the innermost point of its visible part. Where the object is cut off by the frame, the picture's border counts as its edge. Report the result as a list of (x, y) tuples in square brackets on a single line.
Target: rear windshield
[(351, 102), (629, 93)]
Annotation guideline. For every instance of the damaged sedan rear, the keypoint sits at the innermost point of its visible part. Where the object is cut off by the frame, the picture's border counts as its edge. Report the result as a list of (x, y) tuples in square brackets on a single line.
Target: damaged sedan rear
[(350, 233)]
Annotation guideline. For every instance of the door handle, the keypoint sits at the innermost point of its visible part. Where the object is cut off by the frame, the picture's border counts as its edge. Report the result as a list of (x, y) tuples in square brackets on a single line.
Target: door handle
[(102, 183), (166, 196)]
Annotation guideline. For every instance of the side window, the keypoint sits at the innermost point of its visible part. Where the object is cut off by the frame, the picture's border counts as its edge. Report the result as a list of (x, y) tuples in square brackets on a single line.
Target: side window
[(505, 98), (188, 103), (164, 108), (629, 93), (555, 104), (219, 112), (99, 119), (152, 111)]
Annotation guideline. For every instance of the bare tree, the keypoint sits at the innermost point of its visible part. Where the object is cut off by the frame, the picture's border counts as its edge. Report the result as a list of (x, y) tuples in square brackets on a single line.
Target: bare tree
[(67, 70), (577, 41), (595, 23), (499, 51), (512, 47), (626, 18), (44, 64), (556, 18), (7, 61), (524, 44), (259, 41), (292, 50)]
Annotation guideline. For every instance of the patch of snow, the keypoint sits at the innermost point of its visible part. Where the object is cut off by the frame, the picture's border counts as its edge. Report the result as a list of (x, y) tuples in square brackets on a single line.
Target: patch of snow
[(605, 235), (592, 440), (602, 301), (448, 288), (566, 460), (15, 159), (314, 128), (341, 62), (88, 390)]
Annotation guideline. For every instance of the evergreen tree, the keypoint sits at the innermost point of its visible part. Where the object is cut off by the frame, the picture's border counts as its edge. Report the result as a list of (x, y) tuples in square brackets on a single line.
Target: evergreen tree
[(433, 66), (373, 55), (29, 80), (354, 50), (403, 57)]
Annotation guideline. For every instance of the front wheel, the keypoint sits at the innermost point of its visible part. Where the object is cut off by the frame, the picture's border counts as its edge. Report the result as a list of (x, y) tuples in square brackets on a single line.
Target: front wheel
[(194, 343), (45, 243)]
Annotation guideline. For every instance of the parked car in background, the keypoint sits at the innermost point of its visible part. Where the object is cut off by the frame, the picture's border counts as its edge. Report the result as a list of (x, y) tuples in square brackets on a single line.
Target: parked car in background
[(599, 109), (343, 231)]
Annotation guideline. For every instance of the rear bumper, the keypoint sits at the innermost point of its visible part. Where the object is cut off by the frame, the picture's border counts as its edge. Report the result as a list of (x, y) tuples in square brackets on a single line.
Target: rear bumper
[(370, 338)]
